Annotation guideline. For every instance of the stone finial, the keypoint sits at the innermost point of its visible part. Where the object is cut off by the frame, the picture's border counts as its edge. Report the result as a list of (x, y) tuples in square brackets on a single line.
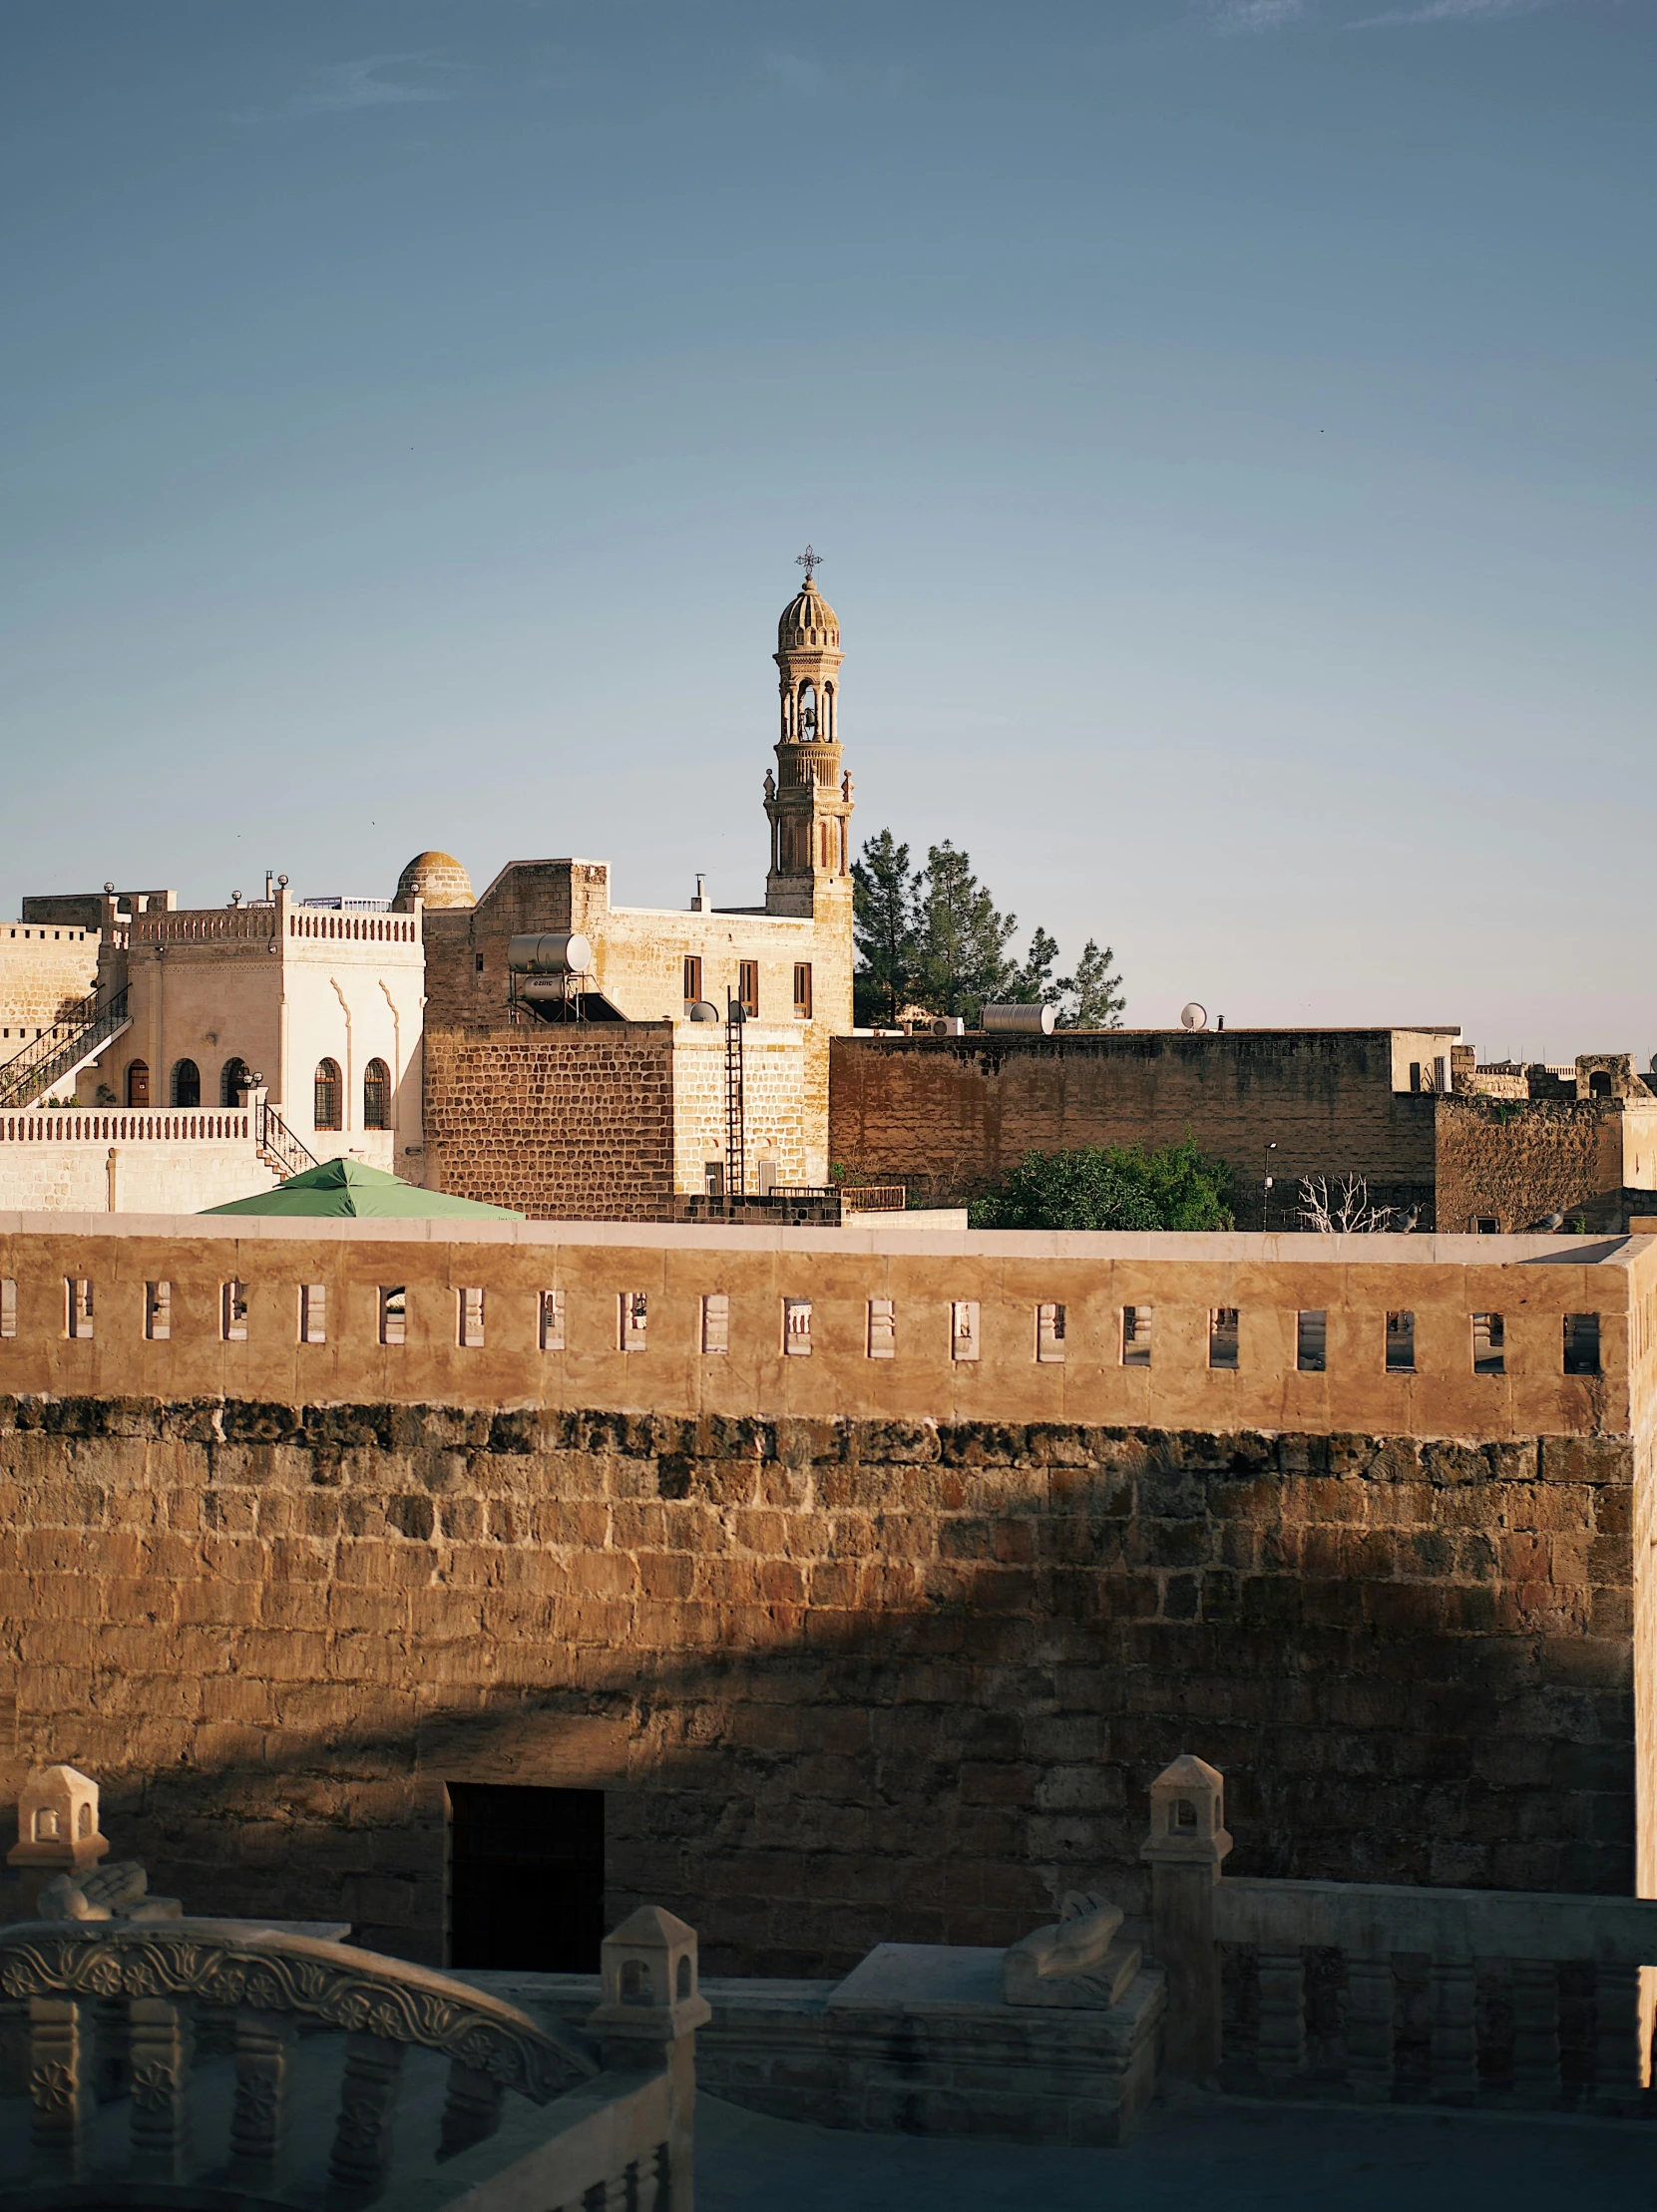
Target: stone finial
[(1187, 1816), (647, 1970), (57, 1821)]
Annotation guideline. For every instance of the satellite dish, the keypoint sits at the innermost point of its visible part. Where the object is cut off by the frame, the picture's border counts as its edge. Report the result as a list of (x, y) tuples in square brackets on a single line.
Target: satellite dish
[(1194, 1017)]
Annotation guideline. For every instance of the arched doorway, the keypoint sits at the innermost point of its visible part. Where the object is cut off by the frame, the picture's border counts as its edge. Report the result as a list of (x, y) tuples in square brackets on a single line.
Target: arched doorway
[(234, 1081), (138, 1082), (186, 1083)]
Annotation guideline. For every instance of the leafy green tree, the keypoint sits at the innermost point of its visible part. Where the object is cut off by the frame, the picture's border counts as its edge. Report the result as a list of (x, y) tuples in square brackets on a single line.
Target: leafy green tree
[(884, 893), (1096, 1000), (1111, 1187), (963, 938)]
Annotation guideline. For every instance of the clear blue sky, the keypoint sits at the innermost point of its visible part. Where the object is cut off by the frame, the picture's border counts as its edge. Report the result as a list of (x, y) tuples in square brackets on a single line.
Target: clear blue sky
[(1228, 425)]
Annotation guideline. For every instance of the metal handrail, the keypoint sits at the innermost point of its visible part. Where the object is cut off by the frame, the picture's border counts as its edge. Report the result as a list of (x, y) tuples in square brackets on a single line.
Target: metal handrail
[(274, 1137), (29, 1074)]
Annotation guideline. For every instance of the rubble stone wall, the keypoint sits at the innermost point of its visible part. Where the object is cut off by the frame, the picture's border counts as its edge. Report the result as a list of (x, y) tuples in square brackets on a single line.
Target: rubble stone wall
[(842, 1681)]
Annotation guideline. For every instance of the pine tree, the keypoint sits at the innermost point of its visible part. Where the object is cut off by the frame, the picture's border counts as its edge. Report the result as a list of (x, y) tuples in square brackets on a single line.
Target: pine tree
[(1033, 984), (884, 888), (963, 938), (1098, 1001)]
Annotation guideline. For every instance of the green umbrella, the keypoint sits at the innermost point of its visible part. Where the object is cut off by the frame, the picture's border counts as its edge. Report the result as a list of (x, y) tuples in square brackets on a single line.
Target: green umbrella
[(348, 1187)]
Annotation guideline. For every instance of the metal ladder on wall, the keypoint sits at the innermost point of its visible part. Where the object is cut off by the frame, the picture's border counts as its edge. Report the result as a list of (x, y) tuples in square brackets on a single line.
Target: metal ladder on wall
[(736, 1127)]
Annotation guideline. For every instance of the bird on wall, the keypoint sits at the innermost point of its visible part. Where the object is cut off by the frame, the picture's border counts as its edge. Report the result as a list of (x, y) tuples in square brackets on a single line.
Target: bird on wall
[(1546, 1225), (1405, 1223)]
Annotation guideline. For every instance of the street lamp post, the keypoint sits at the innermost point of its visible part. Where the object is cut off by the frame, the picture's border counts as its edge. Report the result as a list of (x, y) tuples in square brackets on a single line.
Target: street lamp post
[(1266, 1180)]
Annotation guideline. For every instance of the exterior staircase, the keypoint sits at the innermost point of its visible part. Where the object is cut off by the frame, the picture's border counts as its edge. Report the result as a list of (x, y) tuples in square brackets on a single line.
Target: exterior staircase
[(278, 1147), (60, 1052)]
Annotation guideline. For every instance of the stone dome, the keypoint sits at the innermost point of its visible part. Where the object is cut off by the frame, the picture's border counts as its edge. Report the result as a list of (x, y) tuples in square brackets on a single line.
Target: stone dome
[(435, 878), (807, 622)]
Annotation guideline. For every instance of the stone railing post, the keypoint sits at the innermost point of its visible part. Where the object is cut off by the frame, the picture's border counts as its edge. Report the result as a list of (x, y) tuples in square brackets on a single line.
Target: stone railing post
[(1186, 1846), (649, 2011)]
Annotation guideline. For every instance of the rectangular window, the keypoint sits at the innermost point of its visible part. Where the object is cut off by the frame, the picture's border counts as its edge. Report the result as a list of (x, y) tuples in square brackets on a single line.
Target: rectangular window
[(747, 987), (1486, 1225), (393, 1314), (796, 1328), (1137, 1320), (78, 1297), (714, 1178), (1050, 1333), (717, 1322), (8, 1305), (802, 989), (964, 1338), (550, 1320), (1222, 1337), (883, 1328), (1582, 1344), (1400, 1343), (469, 1317), (692, 979), (1489, 1337), (1311, 1341), (158, 1311), (632, 1311), (233, 1312), (1415, 1075), (313, 1313)]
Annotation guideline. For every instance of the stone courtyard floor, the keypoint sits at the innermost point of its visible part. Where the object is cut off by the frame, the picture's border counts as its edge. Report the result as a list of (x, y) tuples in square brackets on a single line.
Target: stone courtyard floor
[(1242, 2157)]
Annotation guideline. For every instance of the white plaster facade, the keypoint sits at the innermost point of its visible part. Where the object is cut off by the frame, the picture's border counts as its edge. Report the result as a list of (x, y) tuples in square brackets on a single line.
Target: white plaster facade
[(278, 991)]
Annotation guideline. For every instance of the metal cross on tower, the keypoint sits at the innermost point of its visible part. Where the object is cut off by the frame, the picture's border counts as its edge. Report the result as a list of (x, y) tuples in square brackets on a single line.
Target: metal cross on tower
[(808, 560)]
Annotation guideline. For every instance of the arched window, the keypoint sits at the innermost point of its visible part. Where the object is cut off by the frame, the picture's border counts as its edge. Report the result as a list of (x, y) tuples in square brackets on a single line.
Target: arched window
[(808, 713), (327, 1095), (376, 1095), (828, 714), (234, 1081), (138, 1082), (186, 1083)]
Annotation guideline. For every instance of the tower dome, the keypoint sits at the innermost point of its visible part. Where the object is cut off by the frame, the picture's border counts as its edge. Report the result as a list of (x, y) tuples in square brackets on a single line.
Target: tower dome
[(808, 623), (435, 878)]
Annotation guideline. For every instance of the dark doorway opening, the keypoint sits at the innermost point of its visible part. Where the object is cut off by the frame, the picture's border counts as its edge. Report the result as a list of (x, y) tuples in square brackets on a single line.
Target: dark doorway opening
[(525, 1877)]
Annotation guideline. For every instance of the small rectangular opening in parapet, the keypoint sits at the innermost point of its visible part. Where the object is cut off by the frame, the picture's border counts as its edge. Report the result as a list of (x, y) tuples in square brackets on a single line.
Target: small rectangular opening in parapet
[(883, 1328), (313, 1313), (1050, 1331), (1311, 1341), (8, 1305), (1136, 1328), (716, 1323), (1490, 1340), (796, 1328), (964, 1336), (233, 1312), (393, 1314), (469, 1318), (78, 1299), (1582, 1344), (551, 1321), (634, 1311), (1222, 1337), (1400, 1343)]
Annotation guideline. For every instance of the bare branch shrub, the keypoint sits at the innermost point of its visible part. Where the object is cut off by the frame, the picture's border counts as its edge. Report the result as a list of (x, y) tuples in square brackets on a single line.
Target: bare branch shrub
[(1344, 1211)]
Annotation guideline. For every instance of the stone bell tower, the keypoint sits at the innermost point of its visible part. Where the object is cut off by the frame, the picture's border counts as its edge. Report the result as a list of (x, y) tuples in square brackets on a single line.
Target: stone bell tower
[(809, 800)]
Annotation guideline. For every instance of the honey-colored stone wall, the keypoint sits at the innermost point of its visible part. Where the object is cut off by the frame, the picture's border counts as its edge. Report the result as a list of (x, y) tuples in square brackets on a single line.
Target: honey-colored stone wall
[(1518, 1162), (44, 969), (858, 1649), (950, 1116), (554, 1122), (841, 1682)]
